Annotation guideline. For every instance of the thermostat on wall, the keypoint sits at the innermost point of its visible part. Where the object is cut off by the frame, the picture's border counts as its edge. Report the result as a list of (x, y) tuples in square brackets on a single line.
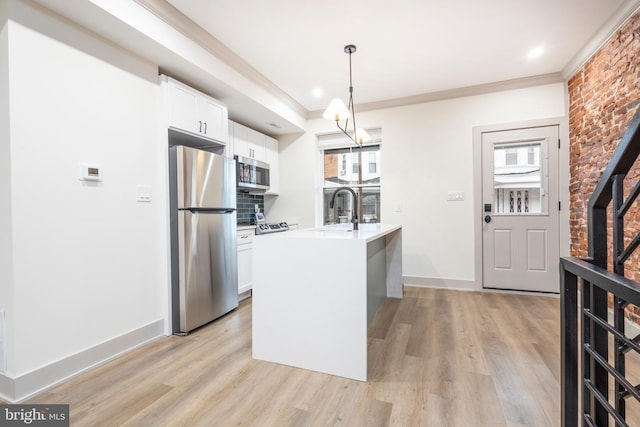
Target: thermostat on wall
[(90, 172)]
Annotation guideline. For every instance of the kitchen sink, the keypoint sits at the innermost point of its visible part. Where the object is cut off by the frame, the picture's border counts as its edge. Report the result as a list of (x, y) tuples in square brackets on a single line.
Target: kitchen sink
[(340, 228)]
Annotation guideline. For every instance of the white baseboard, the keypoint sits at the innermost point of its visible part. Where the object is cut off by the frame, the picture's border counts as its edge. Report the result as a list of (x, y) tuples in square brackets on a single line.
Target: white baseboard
[(15, 390), (463, 285), (244, 295), (431, 282), (6, 388)]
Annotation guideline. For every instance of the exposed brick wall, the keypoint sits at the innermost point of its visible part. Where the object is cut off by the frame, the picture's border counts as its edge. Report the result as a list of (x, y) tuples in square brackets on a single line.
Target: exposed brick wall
[(603, 97), (330, 166)]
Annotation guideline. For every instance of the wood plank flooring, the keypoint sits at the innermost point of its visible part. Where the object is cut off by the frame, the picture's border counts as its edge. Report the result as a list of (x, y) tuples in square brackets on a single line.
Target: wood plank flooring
[(436, 358)]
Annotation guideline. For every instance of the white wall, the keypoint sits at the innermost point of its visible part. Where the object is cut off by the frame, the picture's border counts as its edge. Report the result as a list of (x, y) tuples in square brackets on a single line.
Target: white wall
[(6, 291), (427, 152), (88, 262)]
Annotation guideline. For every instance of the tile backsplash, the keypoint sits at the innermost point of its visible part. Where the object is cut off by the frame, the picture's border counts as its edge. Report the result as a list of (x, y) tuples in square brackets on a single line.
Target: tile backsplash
[(246, 206)]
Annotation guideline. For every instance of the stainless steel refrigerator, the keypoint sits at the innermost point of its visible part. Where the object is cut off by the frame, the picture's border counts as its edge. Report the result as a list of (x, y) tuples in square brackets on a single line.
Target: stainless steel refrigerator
[(204, 269)]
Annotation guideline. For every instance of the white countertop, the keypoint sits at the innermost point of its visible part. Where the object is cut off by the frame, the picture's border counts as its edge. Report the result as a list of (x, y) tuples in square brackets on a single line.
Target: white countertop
[(366, 232)]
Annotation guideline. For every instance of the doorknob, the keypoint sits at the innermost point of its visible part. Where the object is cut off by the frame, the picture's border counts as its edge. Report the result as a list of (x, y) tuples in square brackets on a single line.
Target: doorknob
[(487, 219)]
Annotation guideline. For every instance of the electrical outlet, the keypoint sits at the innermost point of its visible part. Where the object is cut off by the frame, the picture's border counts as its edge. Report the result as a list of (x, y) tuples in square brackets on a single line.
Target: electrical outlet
[(143, 193)]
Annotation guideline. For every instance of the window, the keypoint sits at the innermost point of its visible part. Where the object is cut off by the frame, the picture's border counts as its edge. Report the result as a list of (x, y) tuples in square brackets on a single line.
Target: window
[(533, 154), (373, 158), (518, 186), (365, 182)]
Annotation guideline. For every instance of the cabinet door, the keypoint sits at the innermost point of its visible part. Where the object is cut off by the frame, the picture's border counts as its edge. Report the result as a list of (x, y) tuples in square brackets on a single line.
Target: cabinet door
[(256, 145), (212, 119), (241, 140), (231, 146), (182, 108), (271, 148), (245, 273)]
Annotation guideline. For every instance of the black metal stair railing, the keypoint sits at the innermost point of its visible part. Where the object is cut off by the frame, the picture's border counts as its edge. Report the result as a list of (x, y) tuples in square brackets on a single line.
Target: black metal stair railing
[(585, 286)]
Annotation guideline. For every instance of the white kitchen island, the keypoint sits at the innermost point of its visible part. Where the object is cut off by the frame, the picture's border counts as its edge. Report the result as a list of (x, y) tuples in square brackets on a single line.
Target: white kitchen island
[(316, 291)]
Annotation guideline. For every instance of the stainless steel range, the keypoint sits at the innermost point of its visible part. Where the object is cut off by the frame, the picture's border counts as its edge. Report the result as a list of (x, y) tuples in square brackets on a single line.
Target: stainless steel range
[(264, 228)]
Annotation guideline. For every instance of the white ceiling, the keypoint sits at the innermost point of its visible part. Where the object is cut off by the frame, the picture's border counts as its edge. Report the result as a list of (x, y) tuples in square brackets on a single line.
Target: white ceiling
[(405, 48)]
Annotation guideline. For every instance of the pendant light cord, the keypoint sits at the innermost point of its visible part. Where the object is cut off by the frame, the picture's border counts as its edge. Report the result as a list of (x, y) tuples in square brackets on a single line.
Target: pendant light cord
[(350, 107)]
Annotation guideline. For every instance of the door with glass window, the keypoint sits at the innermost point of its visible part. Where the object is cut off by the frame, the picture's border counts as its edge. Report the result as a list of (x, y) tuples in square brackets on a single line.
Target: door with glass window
[(520, 239)]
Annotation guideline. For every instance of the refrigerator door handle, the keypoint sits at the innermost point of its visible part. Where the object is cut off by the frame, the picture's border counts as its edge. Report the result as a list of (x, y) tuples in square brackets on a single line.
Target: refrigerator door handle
[(210, 210), (194, 237)]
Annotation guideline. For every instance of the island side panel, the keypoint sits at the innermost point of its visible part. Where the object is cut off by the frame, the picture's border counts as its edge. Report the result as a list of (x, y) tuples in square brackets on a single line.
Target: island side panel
[(395, 281), (309, 304), (376, 276)]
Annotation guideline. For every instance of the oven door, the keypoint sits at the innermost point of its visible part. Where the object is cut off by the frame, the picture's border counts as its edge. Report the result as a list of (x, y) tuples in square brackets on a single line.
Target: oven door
[(251, 174)]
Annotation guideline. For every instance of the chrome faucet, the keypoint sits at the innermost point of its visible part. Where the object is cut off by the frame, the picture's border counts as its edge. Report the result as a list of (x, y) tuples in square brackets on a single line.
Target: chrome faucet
[(354, 219)]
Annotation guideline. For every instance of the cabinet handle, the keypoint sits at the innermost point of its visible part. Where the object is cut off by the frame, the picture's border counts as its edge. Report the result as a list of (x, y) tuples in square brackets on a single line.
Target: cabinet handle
[(200, 130), (205, 128), (244, 237)]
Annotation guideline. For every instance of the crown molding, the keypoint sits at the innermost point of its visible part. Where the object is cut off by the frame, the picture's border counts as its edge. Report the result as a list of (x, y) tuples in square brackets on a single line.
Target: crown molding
[(179, 21), (176, 19), (455, 93), (628, 9)]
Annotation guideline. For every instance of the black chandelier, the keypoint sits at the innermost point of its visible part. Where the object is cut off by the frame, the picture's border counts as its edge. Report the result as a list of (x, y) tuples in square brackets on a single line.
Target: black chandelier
[(338, 111)]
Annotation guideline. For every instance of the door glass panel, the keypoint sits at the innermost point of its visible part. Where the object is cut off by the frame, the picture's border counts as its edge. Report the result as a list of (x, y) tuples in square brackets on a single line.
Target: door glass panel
[(518, 178)]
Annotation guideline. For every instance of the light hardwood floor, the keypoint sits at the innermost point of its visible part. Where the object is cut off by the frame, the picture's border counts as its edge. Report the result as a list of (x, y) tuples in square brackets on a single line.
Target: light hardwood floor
[(436, 358)]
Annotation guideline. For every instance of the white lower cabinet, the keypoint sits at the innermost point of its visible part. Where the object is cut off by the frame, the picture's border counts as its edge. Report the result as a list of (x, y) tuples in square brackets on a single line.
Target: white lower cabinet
[(245, 273)]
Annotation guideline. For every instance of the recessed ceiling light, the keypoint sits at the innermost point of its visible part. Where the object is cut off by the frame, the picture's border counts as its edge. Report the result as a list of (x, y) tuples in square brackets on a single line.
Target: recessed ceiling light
[(535, 53), (317, 92)]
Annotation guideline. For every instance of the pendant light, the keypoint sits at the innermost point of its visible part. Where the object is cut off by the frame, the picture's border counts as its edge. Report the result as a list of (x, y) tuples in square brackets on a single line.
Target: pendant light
[(338, 111)]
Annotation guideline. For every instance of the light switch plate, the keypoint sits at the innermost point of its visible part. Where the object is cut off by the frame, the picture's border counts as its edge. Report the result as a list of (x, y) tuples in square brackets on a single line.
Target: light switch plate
[(143, 193), (455, 196)]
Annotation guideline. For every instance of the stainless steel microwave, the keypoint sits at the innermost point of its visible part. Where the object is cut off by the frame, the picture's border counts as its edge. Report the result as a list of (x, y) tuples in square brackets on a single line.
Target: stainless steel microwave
[(251, 174)]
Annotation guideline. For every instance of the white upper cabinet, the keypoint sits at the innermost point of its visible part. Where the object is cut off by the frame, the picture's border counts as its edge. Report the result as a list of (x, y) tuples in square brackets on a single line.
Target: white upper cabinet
[(196, 113), (240, 141), (213, 117), (271, 149), (256, 145), (248, 142)]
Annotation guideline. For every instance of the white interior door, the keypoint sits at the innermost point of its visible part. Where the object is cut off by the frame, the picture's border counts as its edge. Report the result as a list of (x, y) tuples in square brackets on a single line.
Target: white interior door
[(520, 239)]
